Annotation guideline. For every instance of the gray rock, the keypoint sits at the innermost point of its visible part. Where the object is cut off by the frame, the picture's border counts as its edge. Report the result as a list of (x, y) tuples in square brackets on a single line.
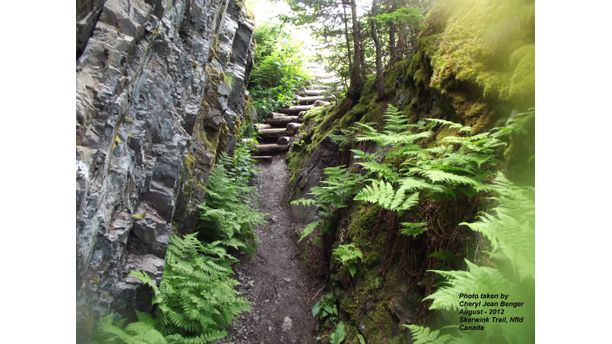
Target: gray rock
[(287, 324), (151, 100)]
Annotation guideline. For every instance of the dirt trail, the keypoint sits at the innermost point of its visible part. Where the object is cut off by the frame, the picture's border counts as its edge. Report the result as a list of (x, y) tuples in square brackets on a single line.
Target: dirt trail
[(274, 280)]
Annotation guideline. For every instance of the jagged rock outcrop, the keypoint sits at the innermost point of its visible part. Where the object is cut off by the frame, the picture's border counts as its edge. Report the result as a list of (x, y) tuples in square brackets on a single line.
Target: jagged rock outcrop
[(161, 87)]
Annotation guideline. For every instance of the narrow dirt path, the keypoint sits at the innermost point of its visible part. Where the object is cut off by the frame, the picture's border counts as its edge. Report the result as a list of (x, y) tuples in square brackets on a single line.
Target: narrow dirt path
[(274, 280)]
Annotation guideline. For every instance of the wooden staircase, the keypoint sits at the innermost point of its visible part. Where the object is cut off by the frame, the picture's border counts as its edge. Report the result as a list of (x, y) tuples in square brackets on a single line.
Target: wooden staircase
[(277, 132)]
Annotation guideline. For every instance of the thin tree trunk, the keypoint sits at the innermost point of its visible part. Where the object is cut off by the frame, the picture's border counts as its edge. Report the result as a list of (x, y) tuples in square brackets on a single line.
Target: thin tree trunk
[(392, 49), (346, 35), (356, 86), (380, 81)]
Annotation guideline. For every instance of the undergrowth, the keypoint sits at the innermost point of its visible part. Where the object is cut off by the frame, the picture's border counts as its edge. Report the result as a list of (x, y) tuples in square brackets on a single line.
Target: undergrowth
[(417, 162), (196, 300)]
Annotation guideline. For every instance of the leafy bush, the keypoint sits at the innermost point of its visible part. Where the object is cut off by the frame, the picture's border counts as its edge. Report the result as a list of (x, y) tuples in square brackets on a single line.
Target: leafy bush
[(277, 70)]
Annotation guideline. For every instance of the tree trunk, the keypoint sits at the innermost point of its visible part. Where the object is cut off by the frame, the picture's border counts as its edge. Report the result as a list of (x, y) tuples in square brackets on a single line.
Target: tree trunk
[(356, 73), (380, 81), (346, 35)]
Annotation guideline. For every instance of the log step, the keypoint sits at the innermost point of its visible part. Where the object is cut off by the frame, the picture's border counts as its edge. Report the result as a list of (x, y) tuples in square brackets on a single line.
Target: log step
[(283, 140), (270, 148), (313, 92), (262, 126), (293, 128), (282, 121), (296, 109), (263, 158), (311, 99), (272, 133)]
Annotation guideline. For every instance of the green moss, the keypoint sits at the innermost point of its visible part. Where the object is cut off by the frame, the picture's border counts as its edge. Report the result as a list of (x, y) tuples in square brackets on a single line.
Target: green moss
[(487, 43)]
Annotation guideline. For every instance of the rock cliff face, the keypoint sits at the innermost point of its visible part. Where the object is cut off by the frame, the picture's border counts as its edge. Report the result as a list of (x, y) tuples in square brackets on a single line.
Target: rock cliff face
[(160, 92)]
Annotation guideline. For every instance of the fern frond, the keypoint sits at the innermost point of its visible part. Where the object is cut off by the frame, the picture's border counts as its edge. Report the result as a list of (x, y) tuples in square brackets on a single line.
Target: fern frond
[(413, 229), (451, 125), (424, 335), (309, 229)]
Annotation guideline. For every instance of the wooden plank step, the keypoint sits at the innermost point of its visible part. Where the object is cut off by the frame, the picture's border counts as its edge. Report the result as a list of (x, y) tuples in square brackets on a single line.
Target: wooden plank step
[(296, 109), (272, 133), (282, 122), (270, 148)]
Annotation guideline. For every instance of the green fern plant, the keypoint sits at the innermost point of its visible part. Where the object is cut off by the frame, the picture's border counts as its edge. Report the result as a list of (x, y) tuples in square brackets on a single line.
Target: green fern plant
[(113, 330), (337, 187), (226, 215), (196, 299), (349, 256), (509, 228), (413, 167)]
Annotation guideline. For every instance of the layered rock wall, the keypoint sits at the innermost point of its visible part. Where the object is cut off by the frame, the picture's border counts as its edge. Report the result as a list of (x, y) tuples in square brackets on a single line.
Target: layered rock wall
[(161, 88)]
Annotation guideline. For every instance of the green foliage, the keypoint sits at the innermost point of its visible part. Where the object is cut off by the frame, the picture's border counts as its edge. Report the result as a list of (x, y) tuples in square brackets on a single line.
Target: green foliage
[(383, 194), (326, 308), (424, 335), (226, 215), (509, 228), (277, 72), (337, 337), (196, 299), (408, 15), (335, 189), (414, 167), (413, 229), (349, 256), (112, 330)]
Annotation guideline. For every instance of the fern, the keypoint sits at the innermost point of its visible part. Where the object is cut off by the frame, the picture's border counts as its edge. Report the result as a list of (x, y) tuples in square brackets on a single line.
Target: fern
[(413, 229), (337, 187), (384, 194), (349, 256), (196, 297), (509, 228), (309, 229), (424, 335), (225, 213), (111, 330)]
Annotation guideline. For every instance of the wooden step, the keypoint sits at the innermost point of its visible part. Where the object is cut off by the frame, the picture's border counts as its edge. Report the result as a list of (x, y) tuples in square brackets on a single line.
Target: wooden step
[(296, 109), (284, 140), (270, 148), (263, 158), (282, 122), (262, 126), (293, 128), (320, 103), (272, 133), (312, 92), (311, 99)]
